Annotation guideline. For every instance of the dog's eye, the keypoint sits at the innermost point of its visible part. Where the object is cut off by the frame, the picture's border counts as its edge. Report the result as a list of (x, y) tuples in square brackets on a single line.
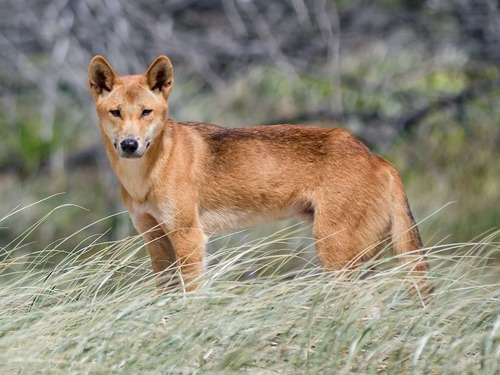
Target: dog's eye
[(146, 112), (115, 112)]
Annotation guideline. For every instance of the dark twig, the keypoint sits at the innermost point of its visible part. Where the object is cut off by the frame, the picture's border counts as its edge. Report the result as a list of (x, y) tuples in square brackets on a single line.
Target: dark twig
[(410, 120), (404, 123)]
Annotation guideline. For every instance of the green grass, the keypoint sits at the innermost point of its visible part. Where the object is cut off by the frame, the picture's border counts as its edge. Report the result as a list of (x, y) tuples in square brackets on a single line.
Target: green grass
[(96, 311)]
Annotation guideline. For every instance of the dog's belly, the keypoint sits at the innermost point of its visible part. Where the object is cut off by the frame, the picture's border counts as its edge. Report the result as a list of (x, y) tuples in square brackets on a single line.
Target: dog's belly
[(223, 219)]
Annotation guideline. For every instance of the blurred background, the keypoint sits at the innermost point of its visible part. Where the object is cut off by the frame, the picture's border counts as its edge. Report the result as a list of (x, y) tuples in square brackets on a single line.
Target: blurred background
[(418, 81)]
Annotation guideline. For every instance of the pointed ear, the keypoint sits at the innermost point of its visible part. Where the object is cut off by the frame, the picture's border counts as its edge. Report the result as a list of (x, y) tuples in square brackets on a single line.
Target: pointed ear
[(160, 76), (101, 76)]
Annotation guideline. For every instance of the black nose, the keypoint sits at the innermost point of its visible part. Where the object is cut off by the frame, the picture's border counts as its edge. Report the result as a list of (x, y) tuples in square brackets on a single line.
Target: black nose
[(129, 146)]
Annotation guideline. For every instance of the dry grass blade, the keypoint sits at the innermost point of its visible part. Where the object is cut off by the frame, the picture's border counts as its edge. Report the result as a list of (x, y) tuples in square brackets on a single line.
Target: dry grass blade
[(97, 311)]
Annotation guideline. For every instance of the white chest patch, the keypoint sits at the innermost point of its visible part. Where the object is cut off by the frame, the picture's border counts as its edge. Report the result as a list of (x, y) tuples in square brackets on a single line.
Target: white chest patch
[(129, 172)]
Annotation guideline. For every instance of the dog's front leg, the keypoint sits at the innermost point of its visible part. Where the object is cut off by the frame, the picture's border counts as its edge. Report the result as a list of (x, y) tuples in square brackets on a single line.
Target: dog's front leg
[(189, 244), (160, 250)]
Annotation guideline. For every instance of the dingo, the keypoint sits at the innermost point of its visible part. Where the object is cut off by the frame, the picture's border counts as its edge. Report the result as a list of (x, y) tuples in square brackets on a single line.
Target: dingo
[(183, 180)]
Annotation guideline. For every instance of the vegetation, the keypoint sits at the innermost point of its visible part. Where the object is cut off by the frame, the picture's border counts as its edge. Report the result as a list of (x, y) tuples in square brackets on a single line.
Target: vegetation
[(100, 313)]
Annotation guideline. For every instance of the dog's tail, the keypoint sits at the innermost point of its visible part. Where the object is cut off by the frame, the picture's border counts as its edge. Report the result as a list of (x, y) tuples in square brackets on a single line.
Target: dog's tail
[(405, 235), (407, 243)]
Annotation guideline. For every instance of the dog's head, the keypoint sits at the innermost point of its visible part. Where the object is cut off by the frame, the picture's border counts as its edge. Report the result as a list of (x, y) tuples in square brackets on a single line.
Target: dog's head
[(132, 109)]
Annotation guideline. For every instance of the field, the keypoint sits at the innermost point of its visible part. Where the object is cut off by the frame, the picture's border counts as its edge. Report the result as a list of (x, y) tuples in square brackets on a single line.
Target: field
[(259, 311)]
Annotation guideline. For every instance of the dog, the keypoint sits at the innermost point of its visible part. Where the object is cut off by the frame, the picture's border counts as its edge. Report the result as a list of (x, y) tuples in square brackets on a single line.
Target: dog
[(181, 181)]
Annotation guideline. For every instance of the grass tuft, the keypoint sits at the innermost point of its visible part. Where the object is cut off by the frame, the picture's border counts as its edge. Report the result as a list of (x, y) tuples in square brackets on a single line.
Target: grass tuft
[(97, 311)]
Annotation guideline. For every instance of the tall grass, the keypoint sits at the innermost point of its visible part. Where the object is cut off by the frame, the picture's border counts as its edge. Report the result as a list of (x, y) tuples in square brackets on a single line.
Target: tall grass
[(96, 311)]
